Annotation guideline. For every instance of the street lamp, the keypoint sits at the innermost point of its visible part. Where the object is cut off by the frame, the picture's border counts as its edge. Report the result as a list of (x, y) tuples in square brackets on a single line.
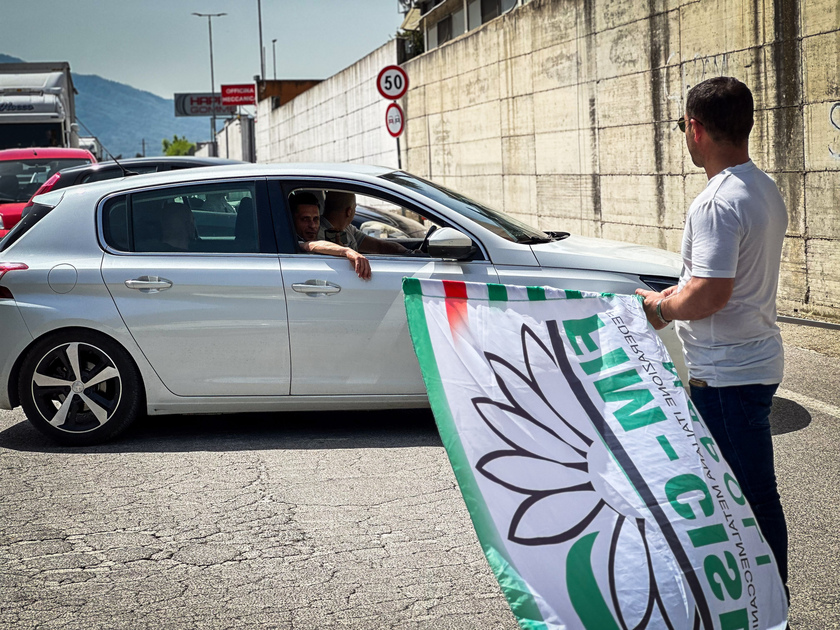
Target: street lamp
[(262, 48), (274, 57), (210, 17)]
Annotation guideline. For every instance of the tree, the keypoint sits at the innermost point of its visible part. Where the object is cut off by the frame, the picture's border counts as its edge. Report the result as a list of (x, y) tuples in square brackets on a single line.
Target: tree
[(178, 146)]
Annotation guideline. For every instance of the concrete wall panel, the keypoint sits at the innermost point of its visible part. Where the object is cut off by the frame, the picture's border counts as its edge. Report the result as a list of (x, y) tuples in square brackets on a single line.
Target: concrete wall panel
[(821, 56), (822, 136), (822, 190), (823, 280)]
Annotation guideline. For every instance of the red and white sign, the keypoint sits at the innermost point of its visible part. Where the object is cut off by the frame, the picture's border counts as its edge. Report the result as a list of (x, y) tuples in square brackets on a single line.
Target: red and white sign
[(395, 120), (244, 94), (392, 82), (202, 104)]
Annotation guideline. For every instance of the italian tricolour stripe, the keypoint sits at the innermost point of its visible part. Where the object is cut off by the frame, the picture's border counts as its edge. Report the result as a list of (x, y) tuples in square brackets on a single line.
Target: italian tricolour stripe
[(598, 495)]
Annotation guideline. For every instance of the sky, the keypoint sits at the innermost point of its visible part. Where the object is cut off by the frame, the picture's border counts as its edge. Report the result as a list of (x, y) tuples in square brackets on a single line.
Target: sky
[(160, 47)]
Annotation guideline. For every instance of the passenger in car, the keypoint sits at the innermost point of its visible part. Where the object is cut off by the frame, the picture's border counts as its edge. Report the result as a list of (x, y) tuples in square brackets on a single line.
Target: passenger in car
[(336, 227), (217, 202), (306, 217), (177, 227)]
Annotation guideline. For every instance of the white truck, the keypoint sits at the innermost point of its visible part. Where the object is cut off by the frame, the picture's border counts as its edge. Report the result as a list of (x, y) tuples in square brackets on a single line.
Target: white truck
[(37, 105)]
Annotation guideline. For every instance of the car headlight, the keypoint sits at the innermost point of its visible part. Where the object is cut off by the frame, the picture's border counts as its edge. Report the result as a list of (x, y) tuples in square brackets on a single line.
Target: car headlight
[(659, 283), (1, 222)]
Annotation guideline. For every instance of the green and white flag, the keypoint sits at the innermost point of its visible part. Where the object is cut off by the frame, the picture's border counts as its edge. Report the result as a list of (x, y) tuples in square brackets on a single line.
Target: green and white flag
[(597, 492)]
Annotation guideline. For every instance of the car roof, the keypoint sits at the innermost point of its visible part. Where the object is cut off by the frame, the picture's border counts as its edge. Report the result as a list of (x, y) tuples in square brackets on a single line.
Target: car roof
[(147, 161), (213, 173), (46, 153)]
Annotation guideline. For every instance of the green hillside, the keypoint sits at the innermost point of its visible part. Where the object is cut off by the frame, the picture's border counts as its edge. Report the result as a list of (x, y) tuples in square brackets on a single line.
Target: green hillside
[(122, 116)]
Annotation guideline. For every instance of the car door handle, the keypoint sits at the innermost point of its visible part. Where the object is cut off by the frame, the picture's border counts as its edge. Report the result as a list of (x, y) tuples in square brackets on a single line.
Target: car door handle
[(316, 287), (149, 284)]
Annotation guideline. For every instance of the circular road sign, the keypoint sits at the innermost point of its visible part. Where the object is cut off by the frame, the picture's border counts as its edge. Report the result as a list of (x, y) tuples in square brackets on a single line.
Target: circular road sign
[(395, 120), (392, 82)]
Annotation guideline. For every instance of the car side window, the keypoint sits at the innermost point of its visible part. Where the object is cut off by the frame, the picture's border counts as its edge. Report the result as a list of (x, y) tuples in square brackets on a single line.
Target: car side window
[(361, 221), (210, 218)]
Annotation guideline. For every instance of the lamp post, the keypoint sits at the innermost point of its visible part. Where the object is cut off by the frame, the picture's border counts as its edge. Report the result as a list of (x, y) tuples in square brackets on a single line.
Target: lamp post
[(274, 57), (210, 17), (262, 49)]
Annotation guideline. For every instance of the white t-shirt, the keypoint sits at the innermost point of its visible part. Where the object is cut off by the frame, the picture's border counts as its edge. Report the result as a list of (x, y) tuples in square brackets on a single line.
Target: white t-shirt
[(351, 236), (735, 229)]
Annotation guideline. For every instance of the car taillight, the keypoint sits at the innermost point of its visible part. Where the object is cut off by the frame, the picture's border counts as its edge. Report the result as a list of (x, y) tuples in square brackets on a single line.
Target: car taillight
[(6, 267), (46, 187)]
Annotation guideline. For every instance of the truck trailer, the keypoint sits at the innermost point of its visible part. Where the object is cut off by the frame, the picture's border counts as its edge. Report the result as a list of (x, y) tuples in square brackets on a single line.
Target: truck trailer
[(37, 106)]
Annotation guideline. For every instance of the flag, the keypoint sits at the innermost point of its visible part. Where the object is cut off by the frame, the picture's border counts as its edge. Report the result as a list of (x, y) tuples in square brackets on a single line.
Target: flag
[(597, 492)]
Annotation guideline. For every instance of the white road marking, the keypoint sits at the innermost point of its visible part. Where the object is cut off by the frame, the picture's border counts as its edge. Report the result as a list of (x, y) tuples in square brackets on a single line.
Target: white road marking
[(809, 403)]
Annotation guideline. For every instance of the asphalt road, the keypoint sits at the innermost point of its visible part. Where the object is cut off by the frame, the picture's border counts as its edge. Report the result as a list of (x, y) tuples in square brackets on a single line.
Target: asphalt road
[(324, 520)]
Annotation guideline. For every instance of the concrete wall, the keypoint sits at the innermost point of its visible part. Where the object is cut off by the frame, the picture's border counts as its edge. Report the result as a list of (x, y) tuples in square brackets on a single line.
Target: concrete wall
[(563, 113), (234, 140), (342, 119)]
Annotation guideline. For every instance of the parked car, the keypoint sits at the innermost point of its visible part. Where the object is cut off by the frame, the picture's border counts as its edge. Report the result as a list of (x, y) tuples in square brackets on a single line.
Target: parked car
[(128, 295), (23, 171), (112, 169)]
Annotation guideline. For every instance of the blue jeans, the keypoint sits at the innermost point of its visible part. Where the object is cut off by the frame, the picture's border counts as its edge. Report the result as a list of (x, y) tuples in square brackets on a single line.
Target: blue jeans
[(739, 419)]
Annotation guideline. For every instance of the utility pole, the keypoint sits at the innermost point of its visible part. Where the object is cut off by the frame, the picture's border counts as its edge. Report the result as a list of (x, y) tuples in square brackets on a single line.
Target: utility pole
[(274, 57), (144, 147), (210, 17), (262, 49)]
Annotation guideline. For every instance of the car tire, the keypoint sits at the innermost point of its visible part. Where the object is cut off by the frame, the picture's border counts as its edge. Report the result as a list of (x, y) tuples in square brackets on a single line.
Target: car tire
[(80, 387)]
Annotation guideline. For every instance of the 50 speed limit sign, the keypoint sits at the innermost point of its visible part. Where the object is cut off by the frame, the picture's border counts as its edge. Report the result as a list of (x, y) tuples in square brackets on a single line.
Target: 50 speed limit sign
[(392, 82)]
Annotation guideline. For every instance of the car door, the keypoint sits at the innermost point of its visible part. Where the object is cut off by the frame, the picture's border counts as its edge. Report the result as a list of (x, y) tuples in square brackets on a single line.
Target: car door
[(349, 336), (210, 317)]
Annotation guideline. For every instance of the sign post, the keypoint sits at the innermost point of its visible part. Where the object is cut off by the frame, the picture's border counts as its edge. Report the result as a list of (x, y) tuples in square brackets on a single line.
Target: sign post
[(392, 84)]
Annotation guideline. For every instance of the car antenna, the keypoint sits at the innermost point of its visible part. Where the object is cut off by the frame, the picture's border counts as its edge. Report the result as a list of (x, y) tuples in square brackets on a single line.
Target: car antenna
[(125, 171)]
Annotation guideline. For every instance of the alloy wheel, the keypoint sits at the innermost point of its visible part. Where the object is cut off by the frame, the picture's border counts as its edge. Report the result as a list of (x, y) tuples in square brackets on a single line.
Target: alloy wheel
[(76, 387)]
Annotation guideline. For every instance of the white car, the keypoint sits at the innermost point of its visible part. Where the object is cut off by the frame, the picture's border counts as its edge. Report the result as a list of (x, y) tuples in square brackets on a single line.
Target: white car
[(129, 296)]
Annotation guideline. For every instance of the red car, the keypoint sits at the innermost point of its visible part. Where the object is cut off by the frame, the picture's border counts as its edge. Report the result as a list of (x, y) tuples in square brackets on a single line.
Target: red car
[(22, 171)]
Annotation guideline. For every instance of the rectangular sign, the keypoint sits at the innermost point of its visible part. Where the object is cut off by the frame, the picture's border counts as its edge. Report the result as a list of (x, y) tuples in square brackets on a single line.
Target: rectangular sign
[(205, 104), (598, 495), (243, 94)]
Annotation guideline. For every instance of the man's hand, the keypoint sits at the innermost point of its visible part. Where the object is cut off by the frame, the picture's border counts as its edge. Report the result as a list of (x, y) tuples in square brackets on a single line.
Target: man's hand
[(360, 263), (651, 299)]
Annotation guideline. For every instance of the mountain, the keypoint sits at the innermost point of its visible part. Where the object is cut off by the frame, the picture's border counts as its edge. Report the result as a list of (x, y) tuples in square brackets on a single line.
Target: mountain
[(122, 116)]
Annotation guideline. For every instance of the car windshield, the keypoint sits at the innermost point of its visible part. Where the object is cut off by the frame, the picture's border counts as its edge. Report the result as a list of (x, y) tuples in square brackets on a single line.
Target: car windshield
[(19, 179), (497, 222)]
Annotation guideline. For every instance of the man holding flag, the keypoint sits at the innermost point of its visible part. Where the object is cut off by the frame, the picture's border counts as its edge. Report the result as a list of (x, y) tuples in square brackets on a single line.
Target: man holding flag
[(725, 303)]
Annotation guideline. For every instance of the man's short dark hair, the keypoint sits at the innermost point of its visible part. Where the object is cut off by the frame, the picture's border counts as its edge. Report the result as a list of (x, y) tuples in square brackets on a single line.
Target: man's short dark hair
[(298, 199), (724, 106)]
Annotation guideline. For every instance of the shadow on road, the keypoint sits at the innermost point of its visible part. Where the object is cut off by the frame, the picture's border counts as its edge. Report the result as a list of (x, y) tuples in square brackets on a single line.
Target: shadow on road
[(295, 430), (252, 431), (788, 416)]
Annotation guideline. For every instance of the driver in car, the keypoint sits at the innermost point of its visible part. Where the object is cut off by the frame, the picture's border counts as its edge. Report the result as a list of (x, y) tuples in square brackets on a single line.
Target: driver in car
[(306, 217)]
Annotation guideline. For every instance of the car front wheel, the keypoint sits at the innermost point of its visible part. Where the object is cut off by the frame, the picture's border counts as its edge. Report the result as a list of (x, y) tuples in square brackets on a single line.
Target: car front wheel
[(79, 387)]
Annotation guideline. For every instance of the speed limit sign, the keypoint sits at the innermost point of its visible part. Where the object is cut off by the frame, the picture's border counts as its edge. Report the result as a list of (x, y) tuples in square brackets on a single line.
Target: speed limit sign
[(392, 82)]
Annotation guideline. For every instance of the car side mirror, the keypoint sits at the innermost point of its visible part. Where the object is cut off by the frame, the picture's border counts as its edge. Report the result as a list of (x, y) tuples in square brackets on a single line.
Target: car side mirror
[(448, 242)]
